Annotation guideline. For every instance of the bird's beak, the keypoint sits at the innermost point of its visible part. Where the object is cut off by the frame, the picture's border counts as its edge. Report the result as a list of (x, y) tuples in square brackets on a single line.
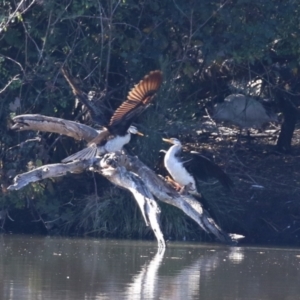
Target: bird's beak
[(168, 141), (139, 133)]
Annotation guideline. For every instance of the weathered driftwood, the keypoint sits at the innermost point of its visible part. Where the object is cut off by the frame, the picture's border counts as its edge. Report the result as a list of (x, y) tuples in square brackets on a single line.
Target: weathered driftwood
[(123, 170), (109, 167), (188, 204), (112, 167), (51, 124), (48, 171)]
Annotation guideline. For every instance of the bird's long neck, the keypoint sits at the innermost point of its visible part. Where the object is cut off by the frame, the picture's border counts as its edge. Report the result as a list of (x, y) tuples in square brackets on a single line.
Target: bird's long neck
[(177, 170), (173, 151)]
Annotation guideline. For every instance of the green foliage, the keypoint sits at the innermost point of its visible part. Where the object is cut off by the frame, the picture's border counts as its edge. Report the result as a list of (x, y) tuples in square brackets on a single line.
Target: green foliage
[(109, 45)]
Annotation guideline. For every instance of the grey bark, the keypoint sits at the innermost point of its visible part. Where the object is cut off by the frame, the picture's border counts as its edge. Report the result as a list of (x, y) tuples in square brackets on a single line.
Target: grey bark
[(122, 170)]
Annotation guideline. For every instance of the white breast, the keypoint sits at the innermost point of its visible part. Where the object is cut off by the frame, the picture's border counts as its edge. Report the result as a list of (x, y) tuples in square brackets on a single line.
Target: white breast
[(177, 170), (117, 143)]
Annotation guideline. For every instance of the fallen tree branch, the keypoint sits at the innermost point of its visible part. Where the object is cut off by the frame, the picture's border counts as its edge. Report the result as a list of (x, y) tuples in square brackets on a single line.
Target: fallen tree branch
[(122, 170), (114, 171), (109, 167), (188, 204), (51, 124), (48, 171)]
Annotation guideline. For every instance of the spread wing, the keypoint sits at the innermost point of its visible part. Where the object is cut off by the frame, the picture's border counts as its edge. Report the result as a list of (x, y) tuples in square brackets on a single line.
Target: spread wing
[(91, 150), (137, 101), (86, 153), (100, 138), (203, 168)]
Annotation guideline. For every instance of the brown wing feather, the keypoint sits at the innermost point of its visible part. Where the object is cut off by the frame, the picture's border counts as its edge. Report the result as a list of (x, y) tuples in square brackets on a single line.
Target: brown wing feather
[(100, 137), (138, 98)]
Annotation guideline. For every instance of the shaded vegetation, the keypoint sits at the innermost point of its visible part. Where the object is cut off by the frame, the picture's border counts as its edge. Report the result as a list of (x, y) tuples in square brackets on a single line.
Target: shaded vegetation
[(207, 50)]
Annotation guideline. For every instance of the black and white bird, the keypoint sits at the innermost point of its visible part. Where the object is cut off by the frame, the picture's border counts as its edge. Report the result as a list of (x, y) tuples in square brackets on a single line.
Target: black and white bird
[(111, 143), (186, 167), (244, 112), (118, 132)]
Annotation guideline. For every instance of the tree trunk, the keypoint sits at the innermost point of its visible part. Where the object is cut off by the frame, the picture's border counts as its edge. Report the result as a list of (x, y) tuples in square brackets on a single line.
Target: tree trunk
[(284, 142)]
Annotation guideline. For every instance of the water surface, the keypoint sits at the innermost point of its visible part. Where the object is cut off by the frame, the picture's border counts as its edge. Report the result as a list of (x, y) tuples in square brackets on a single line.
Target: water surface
[(70, 269)]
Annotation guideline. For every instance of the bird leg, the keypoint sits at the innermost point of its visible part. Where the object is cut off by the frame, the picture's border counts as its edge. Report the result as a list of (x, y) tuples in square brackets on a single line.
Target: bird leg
[(186, 189), (175, 185)]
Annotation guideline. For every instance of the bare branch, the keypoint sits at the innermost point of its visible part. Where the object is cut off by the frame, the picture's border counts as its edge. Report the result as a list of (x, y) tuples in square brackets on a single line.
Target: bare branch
[(117, 174), (51, 124), (9, 83), (112, 167), (113, 170), (47, 171), (14, 61), (122, 170), (21, 9), (189, 205)]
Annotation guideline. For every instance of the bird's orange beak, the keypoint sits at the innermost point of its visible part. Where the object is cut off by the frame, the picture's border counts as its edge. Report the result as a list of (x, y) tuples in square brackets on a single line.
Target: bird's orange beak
[(167, 141), (139, 133)]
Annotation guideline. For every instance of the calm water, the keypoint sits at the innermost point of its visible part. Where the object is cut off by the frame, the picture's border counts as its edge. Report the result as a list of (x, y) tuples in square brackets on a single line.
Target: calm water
[(71, 269)]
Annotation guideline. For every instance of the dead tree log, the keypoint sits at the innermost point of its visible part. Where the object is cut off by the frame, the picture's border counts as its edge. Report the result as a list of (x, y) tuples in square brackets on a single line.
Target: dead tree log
[(56, 125), (122, 170), (115, 172)]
